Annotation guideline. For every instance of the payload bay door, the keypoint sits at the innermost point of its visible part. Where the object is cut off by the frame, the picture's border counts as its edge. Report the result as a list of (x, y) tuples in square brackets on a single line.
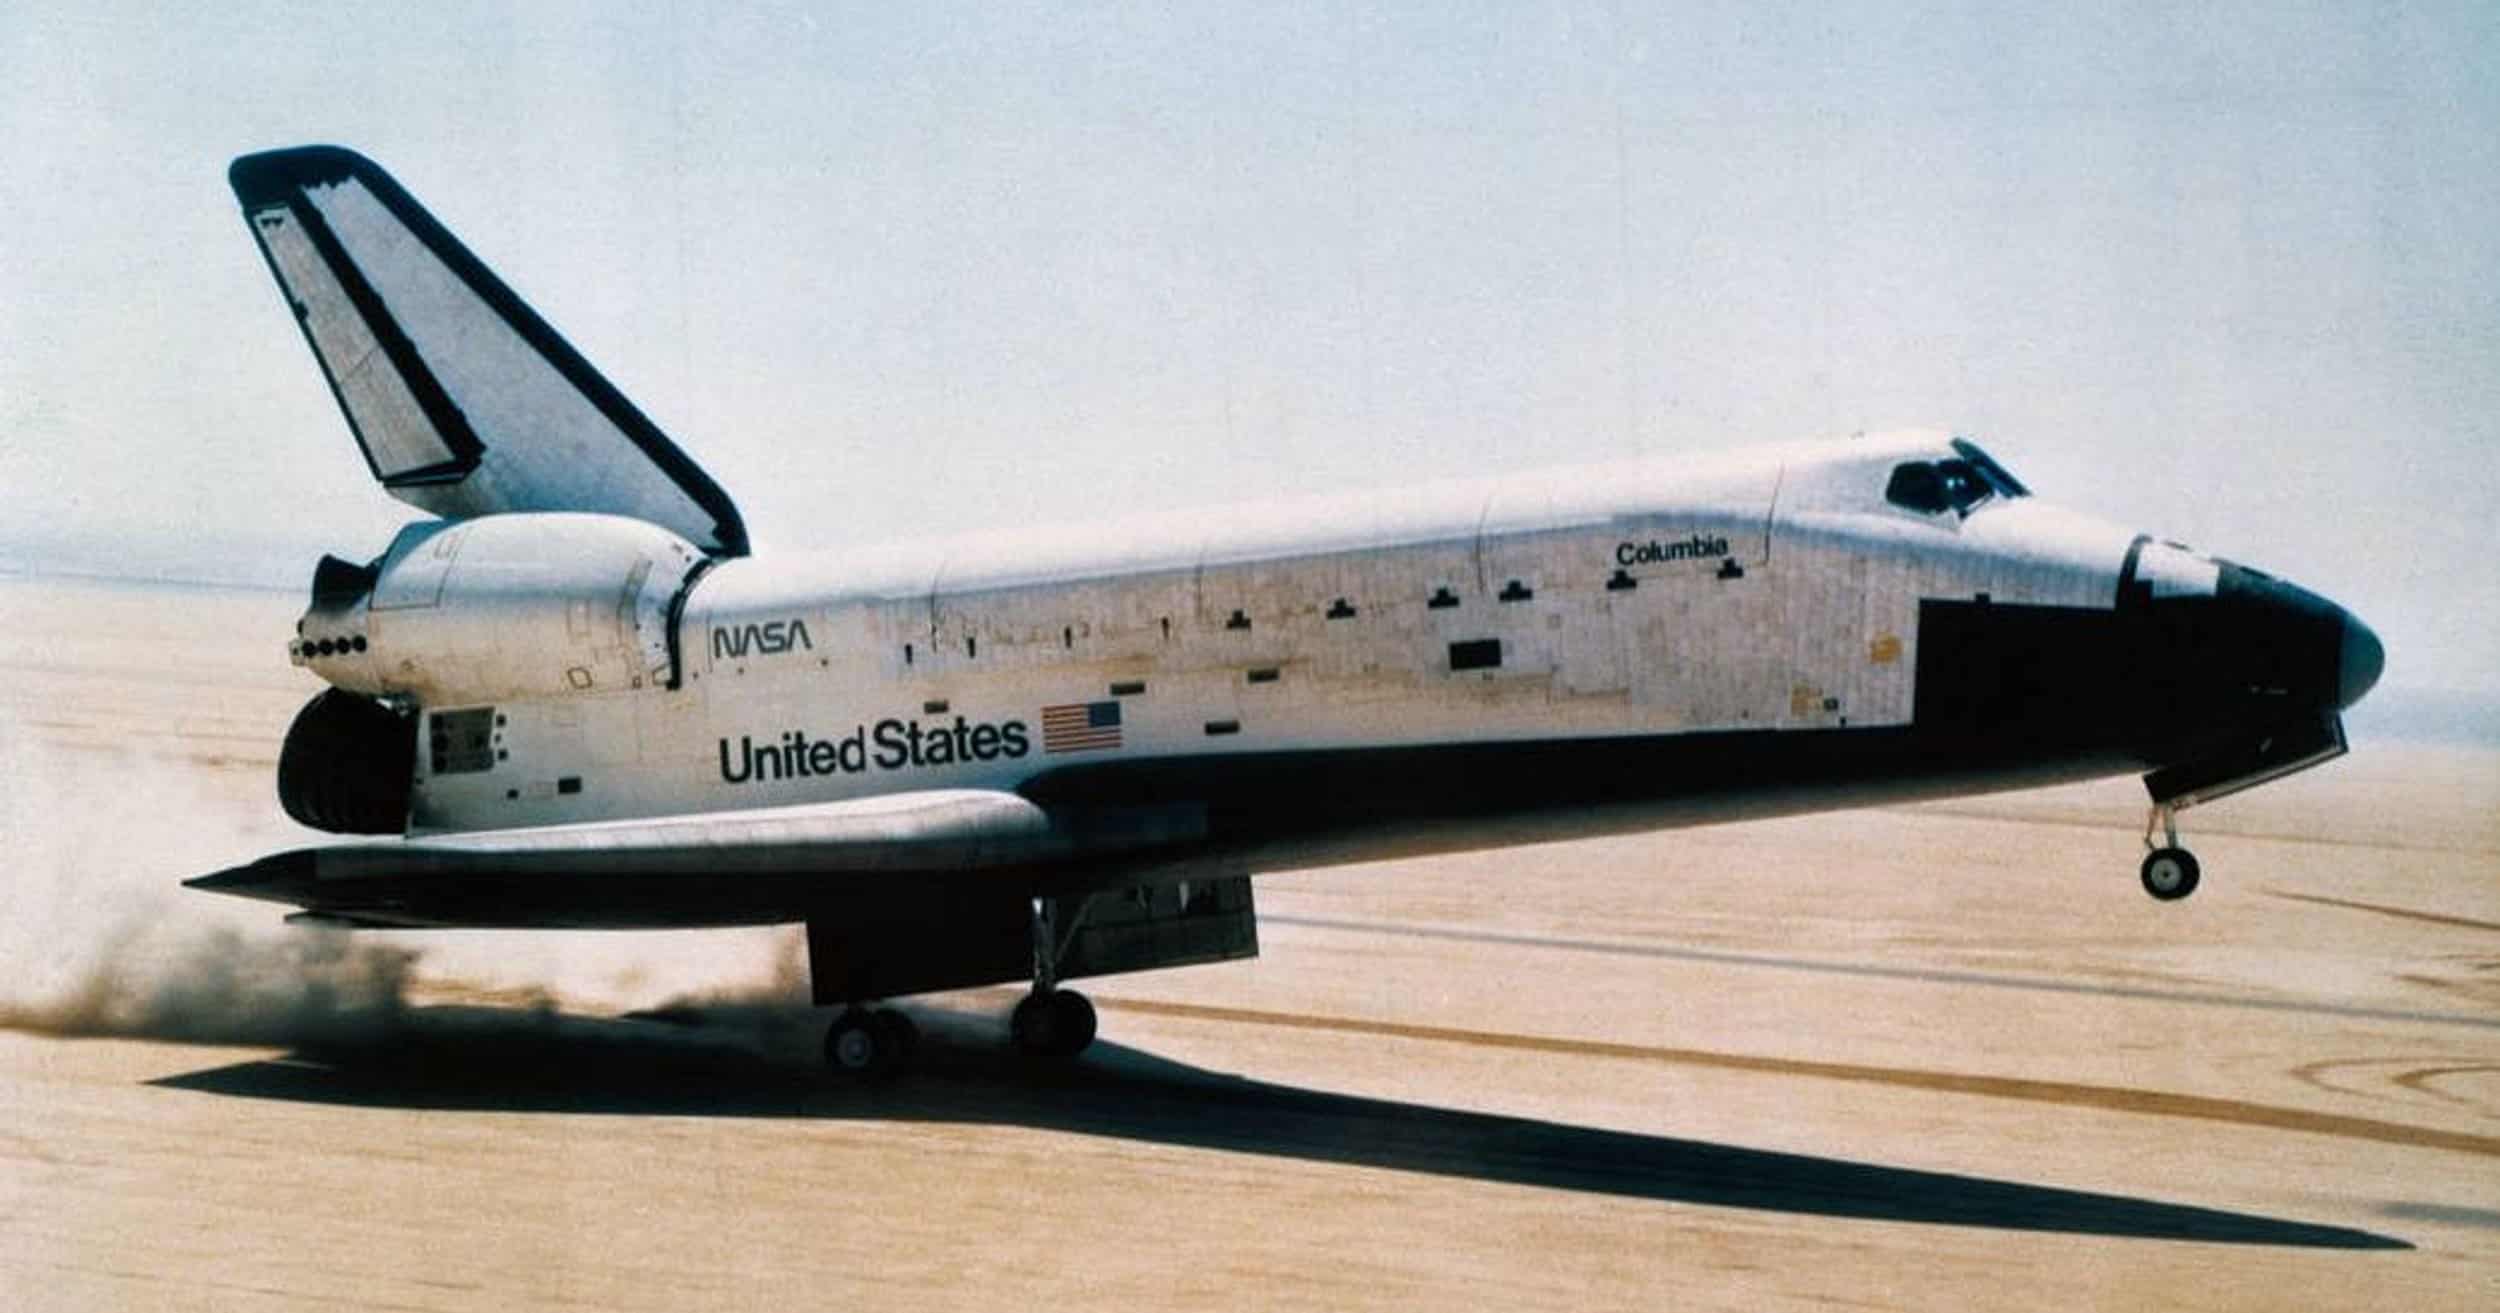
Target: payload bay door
[(1696, 608), (1660, 605), (1824, 595)]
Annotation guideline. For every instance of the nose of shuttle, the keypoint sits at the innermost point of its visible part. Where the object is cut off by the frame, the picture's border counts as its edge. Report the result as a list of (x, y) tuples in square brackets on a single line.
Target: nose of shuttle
[(2302, 644), (2359, 663)]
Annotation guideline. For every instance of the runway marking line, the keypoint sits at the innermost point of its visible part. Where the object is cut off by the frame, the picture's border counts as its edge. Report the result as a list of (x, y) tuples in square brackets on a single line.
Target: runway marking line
[(2382, 909), (2171, 996), (2107, 1098), (2426, 1081)]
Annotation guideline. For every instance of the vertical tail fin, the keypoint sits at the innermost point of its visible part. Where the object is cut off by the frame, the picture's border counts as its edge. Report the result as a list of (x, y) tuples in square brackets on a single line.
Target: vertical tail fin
[(464, 400)]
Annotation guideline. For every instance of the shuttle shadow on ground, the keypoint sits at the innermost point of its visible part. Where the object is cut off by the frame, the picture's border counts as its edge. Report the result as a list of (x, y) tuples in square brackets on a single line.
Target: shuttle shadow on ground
[(503, 1060)]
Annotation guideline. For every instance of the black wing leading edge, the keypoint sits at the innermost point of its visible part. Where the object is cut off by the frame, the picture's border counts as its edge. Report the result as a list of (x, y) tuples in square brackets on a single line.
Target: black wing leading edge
[(465, 402)]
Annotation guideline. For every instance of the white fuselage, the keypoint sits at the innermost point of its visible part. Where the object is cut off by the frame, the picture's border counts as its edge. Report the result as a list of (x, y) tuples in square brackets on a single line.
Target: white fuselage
[(577, 700), (1775, 590)]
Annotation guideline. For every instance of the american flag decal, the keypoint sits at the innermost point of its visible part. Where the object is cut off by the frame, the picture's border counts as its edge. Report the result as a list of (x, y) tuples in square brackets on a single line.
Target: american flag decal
[(1081, 727)]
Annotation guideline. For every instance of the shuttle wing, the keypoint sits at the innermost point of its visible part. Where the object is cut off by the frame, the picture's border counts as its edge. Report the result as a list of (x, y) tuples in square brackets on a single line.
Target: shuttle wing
[(759, 866), (465, 401)]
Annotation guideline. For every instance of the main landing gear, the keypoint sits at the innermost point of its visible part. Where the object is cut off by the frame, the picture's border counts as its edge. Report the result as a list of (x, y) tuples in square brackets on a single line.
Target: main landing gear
[(869, 1041), (1051, 1022), (2169, 872), (1056, 1024)]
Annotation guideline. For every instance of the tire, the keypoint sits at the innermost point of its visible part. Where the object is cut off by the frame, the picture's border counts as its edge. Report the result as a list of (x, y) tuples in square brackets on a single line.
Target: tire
[(896, 1032), (1072, 1023), (1059, 1024), (1031, 1025), (857, 1045), (2169, 874)]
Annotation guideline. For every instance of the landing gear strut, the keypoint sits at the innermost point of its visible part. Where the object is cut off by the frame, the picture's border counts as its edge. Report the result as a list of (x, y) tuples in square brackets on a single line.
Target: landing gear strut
[(2169, 871), (1051, 1022), (869, 1041)]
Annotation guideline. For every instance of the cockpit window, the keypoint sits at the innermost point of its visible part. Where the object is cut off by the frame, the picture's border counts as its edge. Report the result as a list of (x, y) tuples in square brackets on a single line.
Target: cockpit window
[(1934, 487), (1957, 484), (1916, 487), (1964, 485)]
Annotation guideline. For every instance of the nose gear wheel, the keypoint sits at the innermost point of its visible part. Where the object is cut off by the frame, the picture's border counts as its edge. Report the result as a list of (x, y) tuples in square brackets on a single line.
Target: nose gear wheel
[(2169, 872)]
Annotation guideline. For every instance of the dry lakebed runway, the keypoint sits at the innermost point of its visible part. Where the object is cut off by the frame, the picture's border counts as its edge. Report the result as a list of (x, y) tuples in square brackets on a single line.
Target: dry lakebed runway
[(1945, 1056)]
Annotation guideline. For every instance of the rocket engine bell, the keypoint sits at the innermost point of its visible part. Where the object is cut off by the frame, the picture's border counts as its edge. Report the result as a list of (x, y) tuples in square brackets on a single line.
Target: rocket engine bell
[(348, 763)]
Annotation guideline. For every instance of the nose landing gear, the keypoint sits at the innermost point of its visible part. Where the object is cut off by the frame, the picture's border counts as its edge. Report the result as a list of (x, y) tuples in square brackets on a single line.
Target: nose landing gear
[(2169, 872)]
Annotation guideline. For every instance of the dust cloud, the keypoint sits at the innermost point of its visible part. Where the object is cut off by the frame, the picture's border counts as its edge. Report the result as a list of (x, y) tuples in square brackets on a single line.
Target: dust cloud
[(219, 985), (100, 941)]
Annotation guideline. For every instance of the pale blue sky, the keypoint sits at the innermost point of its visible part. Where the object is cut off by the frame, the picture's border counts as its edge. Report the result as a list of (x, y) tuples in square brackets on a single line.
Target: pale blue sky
[(2230, 273)]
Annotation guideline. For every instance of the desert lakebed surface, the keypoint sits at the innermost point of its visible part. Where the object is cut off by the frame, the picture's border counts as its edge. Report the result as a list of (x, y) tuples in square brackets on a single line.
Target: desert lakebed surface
[(1937, 1056)]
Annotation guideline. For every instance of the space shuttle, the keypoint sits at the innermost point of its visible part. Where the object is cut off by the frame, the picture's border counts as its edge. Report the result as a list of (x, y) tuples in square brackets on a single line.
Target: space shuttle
[(571, 697)]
